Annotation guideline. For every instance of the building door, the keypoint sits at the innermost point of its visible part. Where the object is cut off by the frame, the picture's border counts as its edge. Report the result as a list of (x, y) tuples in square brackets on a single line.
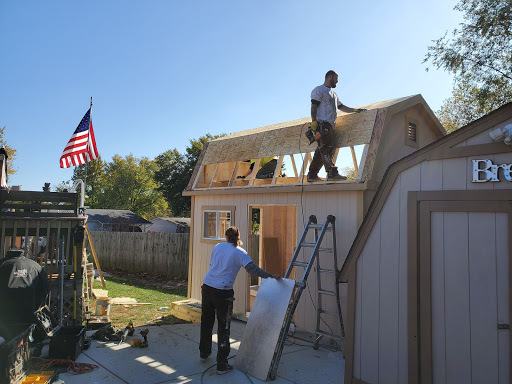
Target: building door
[(464, 265)]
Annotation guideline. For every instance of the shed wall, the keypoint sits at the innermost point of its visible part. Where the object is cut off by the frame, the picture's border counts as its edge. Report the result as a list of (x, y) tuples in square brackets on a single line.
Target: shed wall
[(347, 207), (380, 329)]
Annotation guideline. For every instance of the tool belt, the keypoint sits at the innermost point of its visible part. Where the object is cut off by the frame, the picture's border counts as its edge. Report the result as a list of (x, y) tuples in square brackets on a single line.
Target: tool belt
[(324, 127)]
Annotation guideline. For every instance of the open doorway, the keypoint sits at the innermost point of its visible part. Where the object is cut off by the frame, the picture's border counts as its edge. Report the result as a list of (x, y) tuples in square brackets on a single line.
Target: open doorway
[(272, 241)]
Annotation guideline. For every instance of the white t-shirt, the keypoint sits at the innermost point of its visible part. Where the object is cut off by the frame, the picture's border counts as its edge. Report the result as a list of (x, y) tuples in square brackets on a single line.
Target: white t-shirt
[(329, 102), (225, 262)]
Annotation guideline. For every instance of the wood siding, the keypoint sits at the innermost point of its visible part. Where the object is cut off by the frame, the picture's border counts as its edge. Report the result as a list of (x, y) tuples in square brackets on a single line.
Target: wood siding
[(380, 329), (347, 207)]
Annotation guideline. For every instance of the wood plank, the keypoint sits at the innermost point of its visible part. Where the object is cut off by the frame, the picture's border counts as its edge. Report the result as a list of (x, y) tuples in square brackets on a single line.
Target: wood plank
[(91, 243), (483, 297), (457, 323), (354, 159)]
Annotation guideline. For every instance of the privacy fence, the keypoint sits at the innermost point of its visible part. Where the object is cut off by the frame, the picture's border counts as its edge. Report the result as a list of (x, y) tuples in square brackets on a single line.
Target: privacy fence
[(159, 253)]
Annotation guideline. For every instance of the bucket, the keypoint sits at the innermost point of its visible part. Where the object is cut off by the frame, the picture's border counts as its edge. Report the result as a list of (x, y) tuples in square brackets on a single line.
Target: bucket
[(103, 306)]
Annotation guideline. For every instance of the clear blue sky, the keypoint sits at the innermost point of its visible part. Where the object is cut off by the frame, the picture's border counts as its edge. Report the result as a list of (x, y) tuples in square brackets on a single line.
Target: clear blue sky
[(163, 72)]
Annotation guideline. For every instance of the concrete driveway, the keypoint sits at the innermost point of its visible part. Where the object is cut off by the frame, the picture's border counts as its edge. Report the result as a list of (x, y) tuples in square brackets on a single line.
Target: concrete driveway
[(173, 357)]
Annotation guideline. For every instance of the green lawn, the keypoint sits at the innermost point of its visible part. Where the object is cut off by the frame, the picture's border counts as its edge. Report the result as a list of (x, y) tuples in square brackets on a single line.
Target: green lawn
[(143, 292)]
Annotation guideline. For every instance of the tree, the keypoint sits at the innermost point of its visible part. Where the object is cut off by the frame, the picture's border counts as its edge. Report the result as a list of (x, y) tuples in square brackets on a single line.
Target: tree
[(130, 184), (175, 170), (480, 56), (11, 152), (94, 182)]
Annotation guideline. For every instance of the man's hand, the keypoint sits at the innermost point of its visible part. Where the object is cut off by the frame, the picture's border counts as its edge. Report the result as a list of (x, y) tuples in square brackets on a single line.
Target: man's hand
[(314, 125), (359, 110), (274, 276)]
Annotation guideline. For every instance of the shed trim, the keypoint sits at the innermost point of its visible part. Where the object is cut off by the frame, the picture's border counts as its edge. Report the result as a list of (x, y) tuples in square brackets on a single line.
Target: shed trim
[(443, 148)]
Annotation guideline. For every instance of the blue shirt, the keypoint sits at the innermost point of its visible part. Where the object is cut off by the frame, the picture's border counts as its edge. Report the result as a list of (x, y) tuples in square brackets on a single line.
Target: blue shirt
[(225, 262)]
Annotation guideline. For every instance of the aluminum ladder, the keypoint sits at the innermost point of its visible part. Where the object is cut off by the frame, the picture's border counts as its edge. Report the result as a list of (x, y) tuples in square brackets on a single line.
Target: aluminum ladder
[(319, 233)]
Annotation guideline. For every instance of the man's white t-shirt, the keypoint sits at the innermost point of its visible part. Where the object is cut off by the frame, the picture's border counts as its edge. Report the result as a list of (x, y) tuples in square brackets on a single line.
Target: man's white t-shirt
[(225, 262), (329, 102)]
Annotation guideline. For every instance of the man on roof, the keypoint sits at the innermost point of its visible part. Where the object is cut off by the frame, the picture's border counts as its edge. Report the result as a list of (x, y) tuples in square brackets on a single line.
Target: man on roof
[(324, 105)]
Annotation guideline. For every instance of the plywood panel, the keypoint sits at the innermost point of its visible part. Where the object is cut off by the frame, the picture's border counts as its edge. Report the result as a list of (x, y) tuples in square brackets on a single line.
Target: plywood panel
[(409, 181), (454, 174), (437, 283), (483, 298), (457, 326), (370, 307), (262, 331), (388, 288), (430, 175), (502, 287), (358, 317)]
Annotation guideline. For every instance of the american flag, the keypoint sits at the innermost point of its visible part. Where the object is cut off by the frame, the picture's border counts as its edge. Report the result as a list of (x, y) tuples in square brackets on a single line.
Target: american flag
[(81, 148)]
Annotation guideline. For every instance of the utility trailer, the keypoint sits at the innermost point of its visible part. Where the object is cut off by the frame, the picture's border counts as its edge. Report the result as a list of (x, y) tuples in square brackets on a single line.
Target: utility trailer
[(48, 226)]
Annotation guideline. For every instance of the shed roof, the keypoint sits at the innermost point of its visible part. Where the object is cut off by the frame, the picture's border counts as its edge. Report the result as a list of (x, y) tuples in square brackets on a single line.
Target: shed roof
[(442, 148), (288, 138), (183, 221), (115, 216)]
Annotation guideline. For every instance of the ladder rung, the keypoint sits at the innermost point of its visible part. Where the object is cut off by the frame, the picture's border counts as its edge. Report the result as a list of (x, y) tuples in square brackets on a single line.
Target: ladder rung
[(327, 312), (312, 245), (327, 334), (319, 226), (323, 270), (324, 292), (300, 264)]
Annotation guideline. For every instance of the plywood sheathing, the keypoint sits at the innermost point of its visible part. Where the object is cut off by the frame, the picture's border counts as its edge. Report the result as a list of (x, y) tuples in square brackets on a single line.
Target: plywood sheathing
[(288, 138)]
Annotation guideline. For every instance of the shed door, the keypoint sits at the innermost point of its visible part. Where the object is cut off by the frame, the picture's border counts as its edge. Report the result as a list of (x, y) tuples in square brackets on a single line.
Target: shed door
[(469, 255)]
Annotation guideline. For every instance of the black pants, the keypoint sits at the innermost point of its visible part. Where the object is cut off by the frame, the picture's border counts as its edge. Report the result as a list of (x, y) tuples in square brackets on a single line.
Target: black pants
[(218, 301), (324, 153)]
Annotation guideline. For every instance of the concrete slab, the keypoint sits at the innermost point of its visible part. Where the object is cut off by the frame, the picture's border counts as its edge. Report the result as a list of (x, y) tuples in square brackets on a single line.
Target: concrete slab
[(173, 358)]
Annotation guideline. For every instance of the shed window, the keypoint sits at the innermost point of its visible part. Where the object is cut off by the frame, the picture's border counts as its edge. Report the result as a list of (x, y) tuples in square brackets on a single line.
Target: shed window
[(411, 132), (215, 224)]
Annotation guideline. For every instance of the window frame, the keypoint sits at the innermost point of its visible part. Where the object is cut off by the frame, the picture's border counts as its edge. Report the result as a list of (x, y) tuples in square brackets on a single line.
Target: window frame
[(217, 210)]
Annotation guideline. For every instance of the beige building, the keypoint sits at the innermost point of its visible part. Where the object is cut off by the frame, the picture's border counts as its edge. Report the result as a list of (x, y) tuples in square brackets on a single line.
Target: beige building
[(429, 287), (280, 205)]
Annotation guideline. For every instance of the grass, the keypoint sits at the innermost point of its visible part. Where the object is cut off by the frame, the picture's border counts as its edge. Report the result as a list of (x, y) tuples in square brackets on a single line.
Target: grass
[(143, 292)]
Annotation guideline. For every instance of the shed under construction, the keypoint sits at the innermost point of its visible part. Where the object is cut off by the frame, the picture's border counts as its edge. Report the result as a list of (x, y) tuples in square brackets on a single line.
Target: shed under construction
[(276, 208)]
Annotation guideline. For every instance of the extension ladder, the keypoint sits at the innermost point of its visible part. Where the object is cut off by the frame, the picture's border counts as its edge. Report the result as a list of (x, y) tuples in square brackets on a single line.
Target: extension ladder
[(319, 233)]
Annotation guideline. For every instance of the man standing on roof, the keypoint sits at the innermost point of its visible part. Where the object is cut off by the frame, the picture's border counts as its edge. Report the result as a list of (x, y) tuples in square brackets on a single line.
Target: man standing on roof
[(324, 105)]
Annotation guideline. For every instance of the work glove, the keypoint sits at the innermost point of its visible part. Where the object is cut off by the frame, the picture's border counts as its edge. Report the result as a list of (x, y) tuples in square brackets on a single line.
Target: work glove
[(314, 126), (359, 110), (274, 276)]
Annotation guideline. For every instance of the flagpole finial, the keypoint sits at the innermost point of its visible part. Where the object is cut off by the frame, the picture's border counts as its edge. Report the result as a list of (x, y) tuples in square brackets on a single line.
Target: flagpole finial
[(91, 101)]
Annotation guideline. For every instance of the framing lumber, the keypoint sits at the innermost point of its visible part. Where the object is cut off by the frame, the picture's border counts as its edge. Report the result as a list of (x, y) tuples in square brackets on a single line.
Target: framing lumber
[(95, 255)]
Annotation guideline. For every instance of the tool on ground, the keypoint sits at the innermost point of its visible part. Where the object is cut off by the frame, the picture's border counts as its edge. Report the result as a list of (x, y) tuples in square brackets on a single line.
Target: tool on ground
[(128, 331), (135, 342), (144, 334), (319, 233)]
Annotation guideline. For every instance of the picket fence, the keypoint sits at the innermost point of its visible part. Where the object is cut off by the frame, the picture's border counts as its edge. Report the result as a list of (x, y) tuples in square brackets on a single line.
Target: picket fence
[(160, 253)]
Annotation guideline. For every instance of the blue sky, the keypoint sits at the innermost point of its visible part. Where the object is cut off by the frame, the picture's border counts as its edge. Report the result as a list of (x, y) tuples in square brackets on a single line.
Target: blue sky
[(163, 72)]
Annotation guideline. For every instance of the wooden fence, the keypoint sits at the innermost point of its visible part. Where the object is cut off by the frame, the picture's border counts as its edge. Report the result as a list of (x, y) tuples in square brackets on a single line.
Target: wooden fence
[(159, 253)]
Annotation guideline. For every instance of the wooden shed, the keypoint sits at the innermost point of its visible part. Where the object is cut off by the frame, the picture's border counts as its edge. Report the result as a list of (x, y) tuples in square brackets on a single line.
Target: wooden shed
[(271, 212), (428, 274)]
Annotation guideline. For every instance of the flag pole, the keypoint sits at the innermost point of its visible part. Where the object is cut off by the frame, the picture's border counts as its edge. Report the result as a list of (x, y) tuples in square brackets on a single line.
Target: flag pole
[(87, 148)]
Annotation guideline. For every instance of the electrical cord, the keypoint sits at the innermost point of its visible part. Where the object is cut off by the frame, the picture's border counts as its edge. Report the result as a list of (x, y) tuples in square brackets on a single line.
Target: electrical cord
[(214, 365), (72, 367)]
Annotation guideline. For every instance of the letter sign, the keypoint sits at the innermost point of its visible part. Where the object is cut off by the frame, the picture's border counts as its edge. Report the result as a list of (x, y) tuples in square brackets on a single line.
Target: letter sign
[(485, 170)]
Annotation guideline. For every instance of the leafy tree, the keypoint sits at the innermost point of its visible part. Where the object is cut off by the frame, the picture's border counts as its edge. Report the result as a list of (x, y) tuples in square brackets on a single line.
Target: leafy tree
[(94, 180), (11, 153), (130, 184), (175, 170), (350, 172), (479, 54)]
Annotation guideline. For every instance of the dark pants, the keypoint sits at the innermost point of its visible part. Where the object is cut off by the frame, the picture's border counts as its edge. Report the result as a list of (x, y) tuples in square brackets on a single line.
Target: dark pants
[(220, 301), (324, 153)]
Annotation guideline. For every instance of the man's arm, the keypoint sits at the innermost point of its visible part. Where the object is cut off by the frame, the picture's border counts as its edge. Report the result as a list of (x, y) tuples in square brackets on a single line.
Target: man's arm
[(346, 109), (253, 269), (314, 109)]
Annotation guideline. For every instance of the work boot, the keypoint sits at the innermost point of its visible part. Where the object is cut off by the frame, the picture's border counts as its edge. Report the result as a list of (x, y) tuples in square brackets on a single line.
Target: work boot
[(224, 368), (314, 178), (336, 177), (204, 356)]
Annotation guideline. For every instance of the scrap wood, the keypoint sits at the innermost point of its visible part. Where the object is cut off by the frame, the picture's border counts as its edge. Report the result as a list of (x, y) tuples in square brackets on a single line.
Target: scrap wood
[(126, 301), (72, 367), (100, 293)]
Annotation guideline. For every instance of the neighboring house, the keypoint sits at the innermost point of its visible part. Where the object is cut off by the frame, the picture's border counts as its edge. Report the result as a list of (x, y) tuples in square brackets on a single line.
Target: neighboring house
[(429, 273), (170, 225), (115, 220), (388, 130)]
